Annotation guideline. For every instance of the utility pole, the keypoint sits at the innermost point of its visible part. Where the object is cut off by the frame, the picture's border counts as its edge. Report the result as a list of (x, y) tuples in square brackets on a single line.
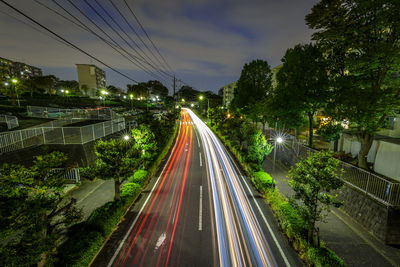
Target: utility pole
[(174, 87)]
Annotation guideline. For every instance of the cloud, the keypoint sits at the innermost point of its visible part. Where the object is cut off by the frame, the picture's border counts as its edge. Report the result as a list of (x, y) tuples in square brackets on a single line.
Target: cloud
[(205, 41)]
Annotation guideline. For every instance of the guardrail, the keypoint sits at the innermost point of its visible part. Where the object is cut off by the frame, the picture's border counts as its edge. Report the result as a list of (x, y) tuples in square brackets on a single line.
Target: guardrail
[(12, 121), (100, 113), (72, 175), (15, 140), (373, 185)]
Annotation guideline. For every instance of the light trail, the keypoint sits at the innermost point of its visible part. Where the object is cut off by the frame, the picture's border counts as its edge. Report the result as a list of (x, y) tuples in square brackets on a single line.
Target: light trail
[(241, 241)]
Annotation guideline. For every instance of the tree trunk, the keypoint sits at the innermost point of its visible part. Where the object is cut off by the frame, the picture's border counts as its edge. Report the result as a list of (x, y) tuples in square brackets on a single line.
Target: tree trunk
[(366, 140), (263, 127), (310, 129), (311, 233), (117, 185), (335, 145)]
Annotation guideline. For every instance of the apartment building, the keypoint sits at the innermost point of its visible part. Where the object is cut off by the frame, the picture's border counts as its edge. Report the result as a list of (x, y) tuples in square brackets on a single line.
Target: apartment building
[(91, 79)]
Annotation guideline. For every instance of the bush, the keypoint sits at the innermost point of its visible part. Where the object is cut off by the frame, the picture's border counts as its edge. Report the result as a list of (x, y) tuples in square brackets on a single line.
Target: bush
[(129, 191), (105, 218), (81, 246), (139, 177), (263, 181), (322, 256), (88, 172)]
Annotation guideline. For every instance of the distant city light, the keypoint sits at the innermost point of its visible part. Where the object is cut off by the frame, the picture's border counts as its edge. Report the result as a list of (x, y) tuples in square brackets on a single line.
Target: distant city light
[(62, 90), (6, 83), (183, 100), (124, 96), (201, 97), (66, 91), (14, 80)]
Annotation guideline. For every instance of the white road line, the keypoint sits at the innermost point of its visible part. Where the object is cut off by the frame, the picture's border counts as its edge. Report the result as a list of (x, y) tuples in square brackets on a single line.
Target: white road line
[(198, 141), (269, 227), (263, 216), (201, 209), (140, 212), (201, 164)]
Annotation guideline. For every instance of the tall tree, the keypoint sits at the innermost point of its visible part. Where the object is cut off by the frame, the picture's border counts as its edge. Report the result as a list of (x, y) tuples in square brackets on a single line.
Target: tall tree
[(361, 39), (254, 84), (34, 210), (303, 82), (116, 158), (313, 179), (145, 143)]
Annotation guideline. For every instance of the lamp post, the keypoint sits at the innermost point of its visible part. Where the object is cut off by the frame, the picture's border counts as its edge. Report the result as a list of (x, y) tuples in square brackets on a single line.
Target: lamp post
[(14, 82), (131, 97), (208, 103), (104, 93), (278, 140)]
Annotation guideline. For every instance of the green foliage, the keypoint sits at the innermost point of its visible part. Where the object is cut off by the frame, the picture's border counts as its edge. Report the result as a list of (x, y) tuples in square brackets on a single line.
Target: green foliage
[(140, 177), (254, 83), (144, 143), (217, 116), (361, 42), (312, 180), (330, 131), (263, 181), (303, 83), (88, 172), (322, 257), (130, 191), (258, 148), (34, 208), (116, 158)]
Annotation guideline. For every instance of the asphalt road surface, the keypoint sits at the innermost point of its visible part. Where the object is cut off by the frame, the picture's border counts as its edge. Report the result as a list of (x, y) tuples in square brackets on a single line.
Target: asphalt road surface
[(200, 211)]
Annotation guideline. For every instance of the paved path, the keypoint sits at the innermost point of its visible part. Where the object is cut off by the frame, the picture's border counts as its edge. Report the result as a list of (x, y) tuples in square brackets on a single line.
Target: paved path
[(347, 238), (93, 194)]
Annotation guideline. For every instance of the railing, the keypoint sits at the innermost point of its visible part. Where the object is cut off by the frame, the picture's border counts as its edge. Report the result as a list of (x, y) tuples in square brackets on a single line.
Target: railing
[(72, 175), (15, 140), (12, 121), (63, 113), (379, 188)]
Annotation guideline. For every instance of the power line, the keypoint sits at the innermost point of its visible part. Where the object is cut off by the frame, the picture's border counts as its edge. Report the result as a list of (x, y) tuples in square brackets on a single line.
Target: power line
[(66, 41), (138, 36), (153, 64), (138, 64), (148, 37)]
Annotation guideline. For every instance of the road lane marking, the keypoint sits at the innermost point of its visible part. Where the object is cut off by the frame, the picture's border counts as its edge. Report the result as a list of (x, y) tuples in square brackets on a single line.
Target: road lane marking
[(201, 209), (201, 164), (266, 222), (141, 209)]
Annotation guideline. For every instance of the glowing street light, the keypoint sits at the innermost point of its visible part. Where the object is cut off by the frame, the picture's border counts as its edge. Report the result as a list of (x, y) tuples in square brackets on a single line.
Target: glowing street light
[(14, 82), (192, 105), (183, 100), (6, 84), (126, 137), (208, 103), (66, 91), (278, 140)]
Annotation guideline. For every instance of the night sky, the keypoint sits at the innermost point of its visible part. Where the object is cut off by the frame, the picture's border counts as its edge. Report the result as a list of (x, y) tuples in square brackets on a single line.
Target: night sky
[(206, 42)]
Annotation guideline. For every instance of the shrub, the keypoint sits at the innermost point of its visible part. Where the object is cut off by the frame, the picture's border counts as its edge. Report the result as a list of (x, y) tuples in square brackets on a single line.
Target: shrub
[(87, 172), (81, 246), (263, 181), (322, 256), (140, 177), (129, 191), (105, 218)]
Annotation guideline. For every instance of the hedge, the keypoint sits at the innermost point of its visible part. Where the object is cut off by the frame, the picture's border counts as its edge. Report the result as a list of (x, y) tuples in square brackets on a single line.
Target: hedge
[(263, 181), (289, 218), (140, 177), (86, 238)]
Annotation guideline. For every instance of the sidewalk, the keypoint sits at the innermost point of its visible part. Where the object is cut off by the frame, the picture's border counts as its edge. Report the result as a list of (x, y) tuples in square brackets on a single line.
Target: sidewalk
[(93, 194), (347, 238)]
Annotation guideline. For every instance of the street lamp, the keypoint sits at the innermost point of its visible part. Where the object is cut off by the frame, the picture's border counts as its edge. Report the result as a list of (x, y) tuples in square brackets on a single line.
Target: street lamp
[(126, 137), (104, 93), (131, 97), (14, 82), (183, 100), (278, 140), (208, 103)]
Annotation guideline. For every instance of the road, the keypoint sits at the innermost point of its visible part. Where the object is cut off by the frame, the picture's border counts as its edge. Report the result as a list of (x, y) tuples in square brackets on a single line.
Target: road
[(200, 211)]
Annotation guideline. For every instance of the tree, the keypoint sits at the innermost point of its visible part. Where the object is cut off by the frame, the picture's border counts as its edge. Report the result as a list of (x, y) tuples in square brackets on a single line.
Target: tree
[(258, 148), (85, 89), (157, 88), (303, 82), (361, 40), (145, 143), (217, 116), (72, 86), (114, 91), (46, 83), (116, 159), (331, 131), (254, 84), (34, 210), (138, 90), (313, 179)]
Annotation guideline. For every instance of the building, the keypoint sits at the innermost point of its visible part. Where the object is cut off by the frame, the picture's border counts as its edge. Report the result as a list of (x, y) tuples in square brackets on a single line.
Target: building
[(11, 69), (228, 93), (91, 79)]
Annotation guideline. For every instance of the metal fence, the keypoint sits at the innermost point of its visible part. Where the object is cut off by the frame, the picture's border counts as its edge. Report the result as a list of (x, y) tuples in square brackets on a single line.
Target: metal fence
[(373, 185), (11, 121), (71, 176), (63, 113), (16, 140)]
